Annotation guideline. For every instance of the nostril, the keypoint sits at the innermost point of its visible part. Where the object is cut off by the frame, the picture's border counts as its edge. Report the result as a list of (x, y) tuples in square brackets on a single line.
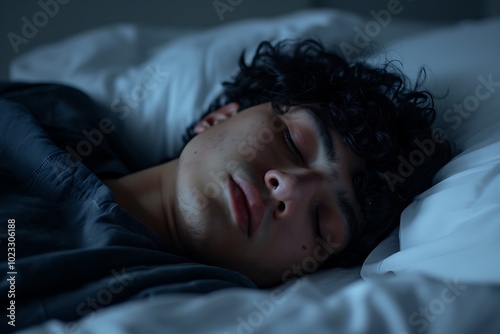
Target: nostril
[(274, 183), (281, 206)]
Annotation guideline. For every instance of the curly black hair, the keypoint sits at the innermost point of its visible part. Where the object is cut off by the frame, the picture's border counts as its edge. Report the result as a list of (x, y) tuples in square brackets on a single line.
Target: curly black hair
[(379, 114)]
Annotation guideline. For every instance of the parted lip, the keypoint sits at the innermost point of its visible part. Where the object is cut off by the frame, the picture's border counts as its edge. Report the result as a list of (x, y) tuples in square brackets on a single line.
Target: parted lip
[(239, 207), (253, 203)]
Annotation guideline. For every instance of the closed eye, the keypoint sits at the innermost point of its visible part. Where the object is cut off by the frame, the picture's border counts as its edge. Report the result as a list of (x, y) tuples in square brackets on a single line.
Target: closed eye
[(292, 146)]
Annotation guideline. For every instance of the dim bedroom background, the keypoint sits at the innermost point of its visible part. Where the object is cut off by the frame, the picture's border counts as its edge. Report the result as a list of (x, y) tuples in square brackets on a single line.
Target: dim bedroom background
[(437, 273)]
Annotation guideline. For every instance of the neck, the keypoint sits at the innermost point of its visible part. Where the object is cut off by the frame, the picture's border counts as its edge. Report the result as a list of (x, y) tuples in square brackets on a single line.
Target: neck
[(149, 196)]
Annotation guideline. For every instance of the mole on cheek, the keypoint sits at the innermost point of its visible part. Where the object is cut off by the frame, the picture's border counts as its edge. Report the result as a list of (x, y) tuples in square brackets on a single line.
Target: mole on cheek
[(304, 247)]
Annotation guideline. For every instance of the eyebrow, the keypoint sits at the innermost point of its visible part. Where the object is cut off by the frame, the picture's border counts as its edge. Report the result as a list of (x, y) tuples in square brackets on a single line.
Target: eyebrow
[(343, 200)]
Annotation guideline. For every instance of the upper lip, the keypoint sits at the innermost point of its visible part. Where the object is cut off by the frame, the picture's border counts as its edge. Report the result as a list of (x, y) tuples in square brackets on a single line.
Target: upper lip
[(254, 202)]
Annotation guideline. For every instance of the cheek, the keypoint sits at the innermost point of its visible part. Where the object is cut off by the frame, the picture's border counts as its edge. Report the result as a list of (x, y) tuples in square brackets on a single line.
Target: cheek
[(219, 147), (191, 205), (203, 154)]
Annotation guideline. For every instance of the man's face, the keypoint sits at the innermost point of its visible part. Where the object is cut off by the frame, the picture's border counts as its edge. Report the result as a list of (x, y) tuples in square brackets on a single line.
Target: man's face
[(261, 194)]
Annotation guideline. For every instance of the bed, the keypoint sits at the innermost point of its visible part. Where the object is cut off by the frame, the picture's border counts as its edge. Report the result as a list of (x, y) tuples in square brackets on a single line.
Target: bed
[(437, 273)]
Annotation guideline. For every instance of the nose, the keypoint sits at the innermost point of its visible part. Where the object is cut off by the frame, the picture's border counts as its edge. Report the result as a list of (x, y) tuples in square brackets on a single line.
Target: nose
[(291, 190)]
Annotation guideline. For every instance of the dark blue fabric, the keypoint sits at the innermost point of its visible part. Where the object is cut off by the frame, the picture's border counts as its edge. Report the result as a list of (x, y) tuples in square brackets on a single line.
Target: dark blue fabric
[(76, 249)]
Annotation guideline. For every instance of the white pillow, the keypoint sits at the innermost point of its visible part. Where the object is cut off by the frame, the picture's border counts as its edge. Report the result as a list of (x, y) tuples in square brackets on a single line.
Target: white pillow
[(452, 230)]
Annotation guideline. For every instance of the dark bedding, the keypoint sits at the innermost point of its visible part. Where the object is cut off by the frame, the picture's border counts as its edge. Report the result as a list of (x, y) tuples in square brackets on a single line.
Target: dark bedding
[(76, 250)]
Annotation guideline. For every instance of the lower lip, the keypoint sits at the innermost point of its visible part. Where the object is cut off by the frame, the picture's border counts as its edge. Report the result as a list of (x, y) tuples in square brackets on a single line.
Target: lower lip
[(239, 205)]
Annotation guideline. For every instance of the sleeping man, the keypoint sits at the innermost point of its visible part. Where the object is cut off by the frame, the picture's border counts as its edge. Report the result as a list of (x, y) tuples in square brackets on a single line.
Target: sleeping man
[(303, 162)]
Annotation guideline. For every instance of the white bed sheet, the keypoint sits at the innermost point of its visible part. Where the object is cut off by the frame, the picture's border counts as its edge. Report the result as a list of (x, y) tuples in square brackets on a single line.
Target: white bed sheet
[(402, 305)]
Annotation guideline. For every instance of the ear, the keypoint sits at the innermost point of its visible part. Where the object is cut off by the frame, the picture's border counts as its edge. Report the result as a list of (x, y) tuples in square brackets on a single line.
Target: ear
[(217, 116)]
